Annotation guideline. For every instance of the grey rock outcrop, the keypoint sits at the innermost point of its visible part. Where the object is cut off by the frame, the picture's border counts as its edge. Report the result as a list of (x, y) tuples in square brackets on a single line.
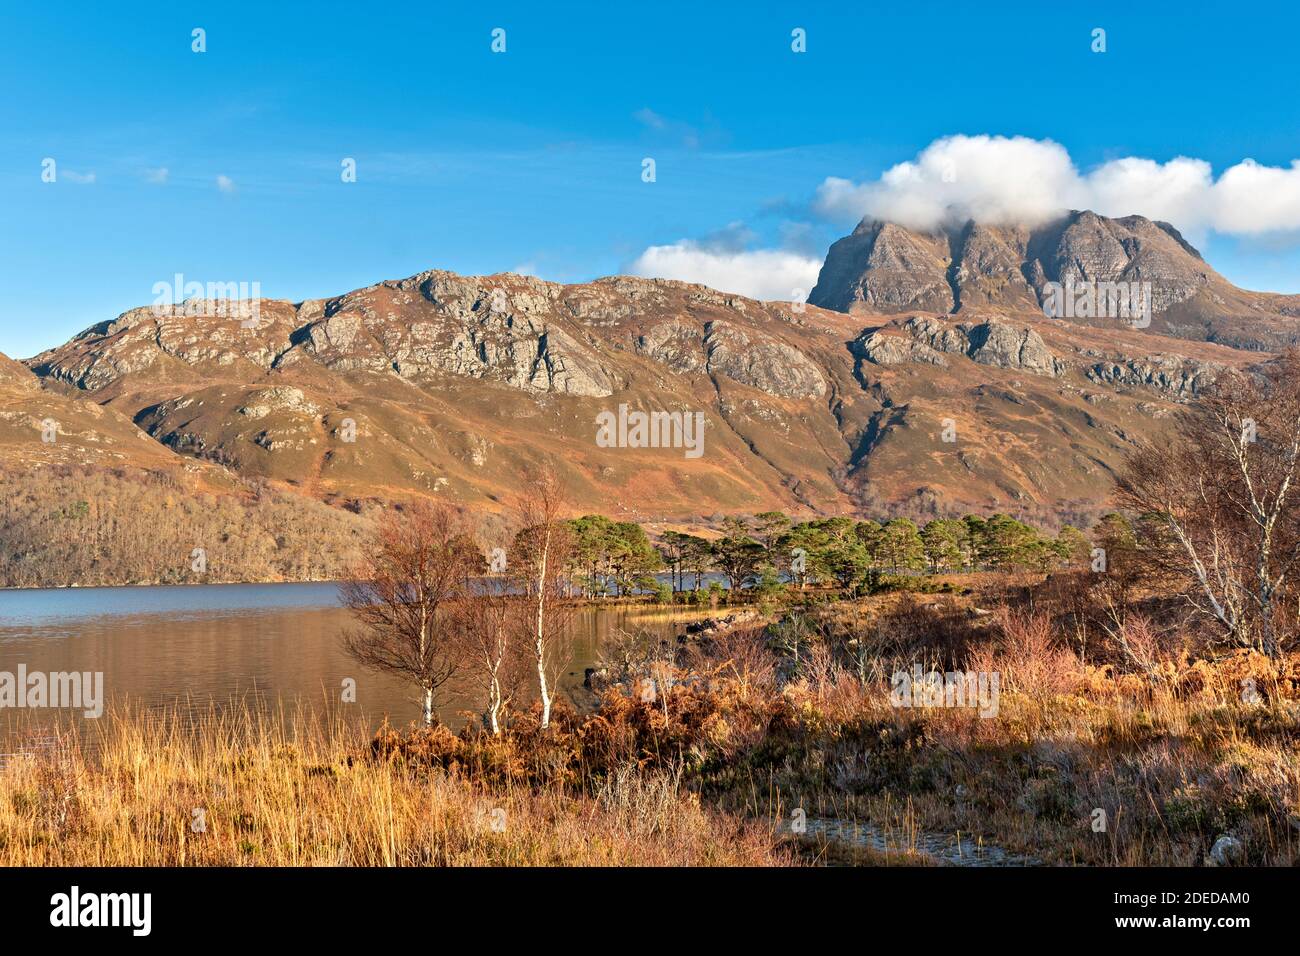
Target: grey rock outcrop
[(989, 268), (766, 364), (1006, 346), (881, 348), (760, 362), (1176, 377), (1227, 851), (993, 343), (675, 344)]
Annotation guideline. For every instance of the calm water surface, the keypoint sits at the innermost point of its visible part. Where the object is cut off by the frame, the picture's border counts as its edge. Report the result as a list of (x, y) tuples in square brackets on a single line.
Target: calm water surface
[(198, 645)]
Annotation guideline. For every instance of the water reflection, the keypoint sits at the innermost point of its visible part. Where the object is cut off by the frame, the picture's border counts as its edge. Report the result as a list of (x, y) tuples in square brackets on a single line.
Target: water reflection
[(195, 647)]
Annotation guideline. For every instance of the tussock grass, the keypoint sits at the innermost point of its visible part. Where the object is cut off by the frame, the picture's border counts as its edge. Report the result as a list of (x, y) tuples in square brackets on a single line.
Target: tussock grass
[(294, 790), (1175, 756)]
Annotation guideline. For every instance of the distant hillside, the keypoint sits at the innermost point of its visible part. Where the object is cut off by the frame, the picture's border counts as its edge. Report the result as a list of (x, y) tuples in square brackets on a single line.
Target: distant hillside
[(64, 525)]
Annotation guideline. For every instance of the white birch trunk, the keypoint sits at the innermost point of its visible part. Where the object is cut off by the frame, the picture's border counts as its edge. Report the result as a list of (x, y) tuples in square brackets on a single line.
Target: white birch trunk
[(540, 646)]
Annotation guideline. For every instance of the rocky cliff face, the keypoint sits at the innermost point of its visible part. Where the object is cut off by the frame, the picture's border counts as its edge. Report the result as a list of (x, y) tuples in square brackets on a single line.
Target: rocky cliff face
[(971, 267), (885, 268), (988, 343), (1177, 377)]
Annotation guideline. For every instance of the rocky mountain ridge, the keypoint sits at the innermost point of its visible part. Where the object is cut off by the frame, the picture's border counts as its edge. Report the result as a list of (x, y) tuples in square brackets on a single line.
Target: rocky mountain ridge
[(450, 385)]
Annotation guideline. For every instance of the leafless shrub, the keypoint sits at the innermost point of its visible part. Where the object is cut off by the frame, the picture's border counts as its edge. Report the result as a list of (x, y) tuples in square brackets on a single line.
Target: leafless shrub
[(1030, 658), (488, 625), (405, 596)]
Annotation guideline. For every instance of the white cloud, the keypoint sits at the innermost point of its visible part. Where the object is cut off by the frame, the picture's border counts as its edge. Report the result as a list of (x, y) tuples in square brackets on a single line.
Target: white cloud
[(225, 184), (992, 179), (1254, 198), (81, 178), (158, 176), (997, 179), (650, 118), (760, 274), (663, 126)]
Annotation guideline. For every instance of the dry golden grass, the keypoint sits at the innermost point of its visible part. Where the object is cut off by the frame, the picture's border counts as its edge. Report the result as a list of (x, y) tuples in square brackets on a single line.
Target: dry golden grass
[(1178, 751), (1175, 760), (294, 791)]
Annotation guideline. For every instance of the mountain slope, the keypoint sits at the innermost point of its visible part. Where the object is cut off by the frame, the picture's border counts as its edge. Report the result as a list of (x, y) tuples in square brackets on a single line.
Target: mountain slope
[(40, 426), (454, 386)]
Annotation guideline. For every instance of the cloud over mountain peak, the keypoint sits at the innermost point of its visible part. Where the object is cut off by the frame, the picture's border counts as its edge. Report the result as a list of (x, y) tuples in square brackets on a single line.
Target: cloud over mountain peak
[(999, 180)]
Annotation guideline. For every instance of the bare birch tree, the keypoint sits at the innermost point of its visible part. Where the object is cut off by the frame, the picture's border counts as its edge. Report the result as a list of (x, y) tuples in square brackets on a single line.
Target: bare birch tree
[(541, 553), (405, 595), (1224, 487), (490, 626)]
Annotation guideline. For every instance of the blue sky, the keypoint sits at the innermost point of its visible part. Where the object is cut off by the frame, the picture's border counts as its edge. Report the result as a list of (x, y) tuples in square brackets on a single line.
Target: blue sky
[(531, 160)]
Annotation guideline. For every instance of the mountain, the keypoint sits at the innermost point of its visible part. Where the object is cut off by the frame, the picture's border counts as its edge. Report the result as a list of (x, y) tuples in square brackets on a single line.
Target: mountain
[(972, 268), (456, 385), (40, 426), (453, 386)]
